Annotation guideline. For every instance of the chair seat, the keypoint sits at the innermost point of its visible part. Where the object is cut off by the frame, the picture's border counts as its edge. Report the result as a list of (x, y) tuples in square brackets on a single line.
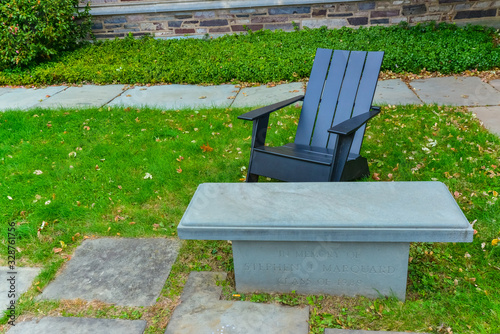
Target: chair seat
[(319, 155)]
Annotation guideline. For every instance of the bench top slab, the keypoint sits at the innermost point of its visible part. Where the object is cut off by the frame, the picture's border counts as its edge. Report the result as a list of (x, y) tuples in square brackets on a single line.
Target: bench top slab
[(328, 211)]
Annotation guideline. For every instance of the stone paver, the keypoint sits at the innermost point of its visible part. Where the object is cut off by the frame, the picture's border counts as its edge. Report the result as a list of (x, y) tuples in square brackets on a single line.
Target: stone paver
[(394, 91), (177, 96), (490, 116), (128, 272), (5, 90), (201, 311), (51, 325), (23, 98), (457, 91), (495, 84), (85, 96), (351, 331), (264, 95), (23, 277)]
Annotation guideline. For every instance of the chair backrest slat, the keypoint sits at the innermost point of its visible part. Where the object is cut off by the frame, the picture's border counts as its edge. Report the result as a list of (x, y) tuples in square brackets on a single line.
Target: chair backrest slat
[(330, 98), (349, 90), (313, 96), (366, 90)]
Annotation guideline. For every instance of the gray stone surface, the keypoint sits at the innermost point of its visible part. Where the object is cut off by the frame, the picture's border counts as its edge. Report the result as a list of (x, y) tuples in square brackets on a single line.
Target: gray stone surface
[(52, 325), (128, 272), (457, 91), (23, 98), (495, 84), (263, 95), (85, 96), (178, 96), (23, 278), (332, 268), (354, 331), (394, 91), (5, 90), (201, 311), (329, 211), (489, 116)]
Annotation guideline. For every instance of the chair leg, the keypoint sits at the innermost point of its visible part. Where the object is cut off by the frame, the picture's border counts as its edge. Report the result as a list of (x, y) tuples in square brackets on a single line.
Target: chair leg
[(252, 178)]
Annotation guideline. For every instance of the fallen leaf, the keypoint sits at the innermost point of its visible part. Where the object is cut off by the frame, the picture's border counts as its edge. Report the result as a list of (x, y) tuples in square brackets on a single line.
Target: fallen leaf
[(179, 170), (202, 97), (206, 148), (57, 250), (376, 176), (131, 223)]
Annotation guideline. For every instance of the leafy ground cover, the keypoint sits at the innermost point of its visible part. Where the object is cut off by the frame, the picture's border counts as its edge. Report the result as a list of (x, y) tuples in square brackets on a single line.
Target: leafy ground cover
[(263, 56), (67, 175)]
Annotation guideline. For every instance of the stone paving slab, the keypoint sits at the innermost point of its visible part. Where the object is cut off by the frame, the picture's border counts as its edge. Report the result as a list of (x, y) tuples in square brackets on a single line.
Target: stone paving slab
[(351, 331), (264, 95), (201, 311), (394, 91), (127, 272), (490, 116), (5, 90), (177, 96), (495, 84), (23, 278), (85, 96), (51, 325), (456, 91), (26, 98)]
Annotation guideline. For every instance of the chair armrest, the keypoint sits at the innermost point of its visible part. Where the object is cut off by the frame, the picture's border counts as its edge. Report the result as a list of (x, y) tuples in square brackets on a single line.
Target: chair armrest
[(258, 113), (349, 126)]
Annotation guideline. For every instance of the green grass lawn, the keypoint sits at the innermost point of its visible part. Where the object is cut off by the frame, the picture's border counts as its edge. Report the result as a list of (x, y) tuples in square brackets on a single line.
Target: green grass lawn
[(67, 175)]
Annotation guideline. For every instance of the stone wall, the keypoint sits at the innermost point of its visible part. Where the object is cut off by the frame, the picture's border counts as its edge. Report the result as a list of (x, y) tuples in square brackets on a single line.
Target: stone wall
[(114, 18)]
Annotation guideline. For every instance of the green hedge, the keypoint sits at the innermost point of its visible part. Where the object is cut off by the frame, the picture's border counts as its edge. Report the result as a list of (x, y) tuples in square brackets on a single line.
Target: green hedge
[(33, 30), (264, 56)]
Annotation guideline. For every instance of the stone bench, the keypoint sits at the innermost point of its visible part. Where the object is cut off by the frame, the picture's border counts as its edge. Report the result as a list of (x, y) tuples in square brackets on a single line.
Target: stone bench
[(345, 238)]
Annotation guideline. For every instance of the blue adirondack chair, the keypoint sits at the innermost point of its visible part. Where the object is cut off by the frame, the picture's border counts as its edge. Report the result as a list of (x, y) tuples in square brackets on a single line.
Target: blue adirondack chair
[(335, 109)]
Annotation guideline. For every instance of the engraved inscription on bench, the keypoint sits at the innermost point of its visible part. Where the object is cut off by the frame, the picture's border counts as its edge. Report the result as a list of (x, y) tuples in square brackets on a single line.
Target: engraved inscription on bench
[(321, 267)]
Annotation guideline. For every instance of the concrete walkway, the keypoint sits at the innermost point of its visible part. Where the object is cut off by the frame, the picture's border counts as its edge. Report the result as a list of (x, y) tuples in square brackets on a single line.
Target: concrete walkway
[(482, 98)]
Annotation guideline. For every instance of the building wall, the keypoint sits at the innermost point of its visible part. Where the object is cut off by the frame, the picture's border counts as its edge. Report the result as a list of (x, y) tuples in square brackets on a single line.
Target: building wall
[(171, 18)]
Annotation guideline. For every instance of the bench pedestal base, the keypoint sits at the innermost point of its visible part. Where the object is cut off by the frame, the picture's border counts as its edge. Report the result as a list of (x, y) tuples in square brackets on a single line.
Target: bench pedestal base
[(333, 268)]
